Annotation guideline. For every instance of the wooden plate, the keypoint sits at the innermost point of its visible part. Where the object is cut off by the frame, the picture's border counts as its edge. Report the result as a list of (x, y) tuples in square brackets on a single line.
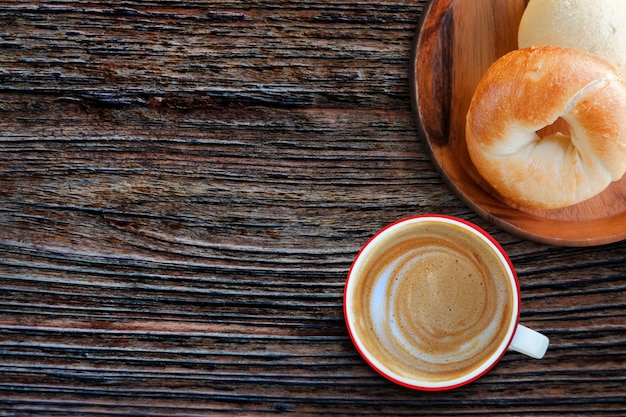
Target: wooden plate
[(455, 43)]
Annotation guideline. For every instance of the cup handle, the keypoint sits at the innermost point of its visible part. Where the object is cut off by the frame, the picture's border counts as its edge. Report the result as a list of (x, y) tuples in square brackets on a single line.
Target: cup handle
[(529, 342)]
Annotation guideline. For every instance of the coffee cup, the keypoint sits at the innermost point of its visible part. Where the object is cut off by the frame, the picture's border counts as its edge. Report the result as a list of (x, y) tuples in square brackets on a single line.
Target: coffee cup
[(432, 302)]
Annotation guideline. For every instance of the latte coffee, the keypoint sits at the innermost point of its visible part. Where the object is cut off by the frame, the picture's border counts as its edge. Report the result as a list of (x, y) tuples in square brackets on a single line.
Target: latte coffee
[(431, 301)]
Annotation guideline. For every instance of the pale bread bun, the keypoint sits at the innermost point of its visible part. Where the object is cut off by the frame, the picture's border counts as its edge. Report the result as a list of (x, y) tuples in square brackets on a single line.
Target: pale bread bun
[(596, 26), (529, 89)]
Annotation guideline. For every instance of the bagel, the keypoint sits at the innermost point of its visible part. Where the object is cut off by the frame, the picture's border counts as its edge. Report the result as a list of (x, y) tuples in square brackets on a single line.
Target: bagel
[(529, 89), (593, 26)]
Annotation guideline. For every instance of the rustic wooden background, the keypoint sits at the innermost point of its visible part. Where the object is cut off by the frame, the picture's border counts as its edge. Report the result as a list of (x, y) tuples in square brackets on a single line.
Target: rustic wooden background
[(183, 186)]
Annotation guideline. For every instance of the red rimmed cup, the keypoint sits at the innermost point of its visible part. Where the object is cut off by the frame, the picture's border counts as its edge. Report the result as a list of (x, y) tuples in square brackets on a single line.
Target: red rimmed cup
[(432, 302)]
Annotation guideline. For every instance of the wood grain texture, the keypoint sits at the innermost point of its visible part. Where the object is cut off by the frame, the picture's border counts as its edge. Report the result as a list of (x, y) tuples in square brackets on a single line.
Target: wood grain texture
[(183, 187)]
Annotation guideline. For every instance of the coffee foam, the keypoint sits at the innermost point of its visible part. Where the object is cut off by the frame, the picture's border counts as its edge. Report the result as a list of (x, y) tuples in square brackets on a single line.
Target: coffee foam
[(428, 307)]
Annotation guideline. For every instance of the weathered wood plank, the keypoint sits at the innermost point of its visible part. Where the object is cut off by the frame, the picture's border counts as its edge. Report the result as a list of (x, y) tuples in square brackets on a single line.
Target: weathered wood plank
[(183, 186)]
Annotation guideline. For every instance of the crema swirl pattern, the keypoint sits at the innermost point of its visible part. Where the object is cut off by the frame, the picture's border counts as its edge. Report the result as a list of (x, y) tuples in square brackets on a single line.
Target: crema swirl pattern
[(434, 306)]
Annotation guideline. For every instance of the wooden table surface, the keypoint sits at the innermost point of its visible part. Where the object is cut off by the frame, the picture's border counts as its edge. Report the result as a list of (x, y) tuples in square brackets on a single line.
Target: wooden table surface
[(183, 187)]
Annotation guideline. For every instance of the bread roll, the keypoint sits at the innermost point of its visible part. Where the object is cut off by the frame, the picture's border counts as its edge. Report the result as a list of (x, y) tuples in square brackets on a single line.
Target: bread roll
[(529, 89), (595, 26)]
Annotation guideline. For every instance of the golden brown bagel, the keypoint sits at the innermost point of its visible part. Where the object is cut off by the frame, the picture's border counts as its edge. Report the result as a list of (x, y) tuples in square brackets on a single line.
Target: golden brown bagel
[(529, 89)]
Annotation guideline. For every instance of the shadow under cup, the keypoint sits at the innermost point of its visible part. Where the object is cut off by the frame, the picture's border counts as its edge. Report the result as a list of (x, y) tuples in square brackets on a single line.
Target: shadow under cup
[(432, 302)]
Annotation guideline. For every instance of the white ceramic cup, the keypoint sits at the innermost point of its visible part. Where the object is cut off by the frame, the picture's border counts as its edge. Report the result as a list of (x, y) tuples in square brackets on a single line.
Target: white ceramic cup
[(516, 336)]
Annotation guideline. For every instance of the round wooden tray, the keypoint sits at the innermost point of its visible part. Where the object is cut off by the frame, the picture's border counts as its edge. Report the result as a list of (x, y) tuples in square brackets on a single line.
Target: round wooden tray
[(455, 43)]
